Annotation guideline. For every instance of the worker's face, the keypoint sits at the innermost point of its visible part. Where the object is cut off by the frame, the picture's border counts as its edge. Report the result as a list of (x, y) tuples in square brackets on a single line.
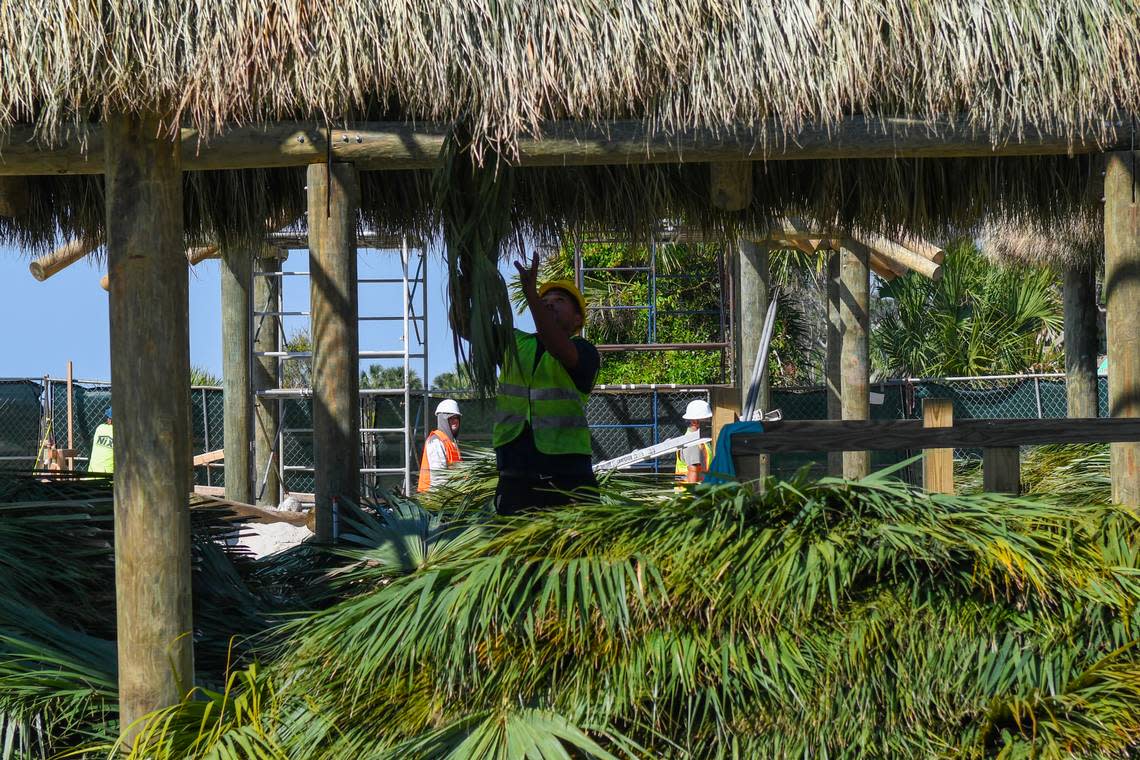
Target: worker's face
[(565, 310), (453, 422), (694, 424)]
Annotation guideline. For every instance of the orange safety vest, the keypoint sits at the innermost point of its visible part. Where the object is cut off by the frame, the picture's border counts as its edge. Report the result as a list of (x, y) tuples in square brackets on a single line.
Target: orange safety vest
[(450, 449)]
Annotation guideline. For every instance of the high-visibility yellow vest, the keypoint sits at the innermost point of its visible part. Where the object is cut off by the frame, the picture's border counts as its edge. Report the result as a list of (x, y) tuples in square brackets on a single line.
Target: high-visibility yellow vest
[(545, 397), (682, 469), (102, 450)]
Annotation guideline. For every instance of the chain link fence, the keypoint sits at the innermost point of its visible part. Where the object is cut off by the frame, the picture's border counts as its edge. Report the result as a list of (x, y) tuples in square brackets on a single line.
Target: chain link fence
[(34, 412)]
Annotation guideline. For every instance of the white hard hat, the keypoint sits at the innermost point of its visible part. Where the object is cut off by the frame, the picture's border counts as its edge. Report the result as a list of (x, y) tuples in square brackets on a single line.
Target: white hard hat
[(698, 410), (450, 407)]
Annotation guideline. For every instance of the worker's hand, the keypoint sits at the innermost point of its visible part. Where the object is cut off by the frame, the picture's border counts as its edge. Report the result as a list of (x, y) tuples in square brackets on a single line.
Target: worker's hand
[(528, 276)]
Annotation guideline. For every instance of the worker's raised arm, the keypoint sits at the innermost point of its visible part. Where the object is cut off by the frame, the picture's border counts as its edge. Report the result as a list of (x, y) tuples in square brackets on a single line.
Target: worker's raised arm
[(550, 323)]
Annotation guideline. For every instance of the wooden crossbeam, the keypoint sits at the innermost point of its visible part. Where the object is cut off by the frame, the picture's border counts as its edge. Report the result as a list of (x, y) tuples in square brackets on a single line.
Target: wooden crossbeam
[(886, 435), (396, 145)]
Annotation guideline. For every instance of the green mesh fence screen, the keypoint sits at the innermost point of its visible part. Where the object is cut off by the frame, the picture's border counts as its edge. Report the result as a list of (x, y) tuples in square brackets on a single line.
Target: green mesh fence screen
[(620, 421)]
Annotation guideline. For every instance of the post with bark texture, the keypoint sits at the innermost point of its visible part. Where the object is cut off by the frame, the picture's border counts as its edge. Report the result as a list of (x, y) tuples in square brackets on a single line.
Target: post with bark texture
[(938, 464), (1080, 340), (751, 308), (1001, 469), (832, 365), (855, 369), (237, 276), (266, 339), (1122, 294), (150, 371), (333, 200)]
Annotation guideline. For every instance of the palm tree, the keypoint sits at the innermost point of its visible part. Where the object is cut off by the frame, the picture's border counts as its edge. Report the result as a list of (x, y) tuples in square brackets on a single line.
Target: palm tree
[(979, 319)]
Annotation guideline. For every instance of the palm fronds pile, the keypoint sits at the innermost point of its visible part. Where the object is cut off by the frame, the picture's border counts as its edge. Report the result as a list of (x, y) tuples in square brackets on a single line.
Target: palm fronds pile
[(821, 618)]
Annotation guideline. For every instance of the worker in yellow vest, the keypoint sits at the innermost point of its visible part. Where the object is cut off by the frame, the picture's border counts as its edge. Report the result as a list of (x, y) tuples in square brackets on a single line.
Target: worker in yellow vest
[(441, 451), (541, 437), (693, 460), (103, 448)]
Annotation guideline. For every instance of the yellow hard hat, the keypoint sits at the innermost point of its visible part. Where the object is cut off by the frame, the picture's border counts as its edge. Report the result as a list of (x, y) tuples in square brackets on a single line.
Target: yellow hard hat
[(570, 288)]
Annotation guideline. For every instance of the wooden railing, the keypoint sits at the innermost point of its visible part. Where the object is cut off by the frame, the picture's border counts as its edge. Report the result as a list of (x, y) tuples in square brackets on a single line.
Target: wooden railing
[(998, 439)]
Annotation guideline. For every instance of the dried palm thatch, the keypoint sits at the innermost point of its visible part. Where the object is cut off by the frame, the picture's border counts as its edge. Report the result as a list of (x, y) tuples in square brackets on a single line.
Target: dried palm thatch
[(505, 67), (1076, 241)]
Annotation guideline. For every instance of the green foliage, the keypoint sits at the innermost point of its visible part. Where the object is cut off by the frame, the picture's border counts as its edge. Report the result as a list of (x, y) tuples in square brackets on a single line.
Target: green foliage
[(377, 376), (979, 319), (458, 379), (822, 618), (298, 372), (203, 376), (687, 280)]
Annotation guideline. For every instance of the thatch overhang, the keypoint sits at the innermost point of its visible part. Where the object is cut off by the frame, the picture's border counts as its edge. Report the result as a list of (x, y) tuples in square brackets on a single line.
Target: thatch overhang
[(1007, 68)]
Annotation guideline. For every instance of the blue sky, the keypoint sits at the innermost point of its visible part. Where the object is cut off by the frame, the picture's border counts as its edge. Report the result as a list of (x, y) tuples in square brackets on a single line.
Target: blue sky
[(65, 317)]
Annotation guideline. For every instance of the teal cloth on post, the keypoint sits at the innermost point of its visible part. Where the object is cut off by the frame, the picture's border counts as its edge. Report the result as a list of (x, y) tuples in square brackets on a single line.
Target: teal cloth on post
[(721, 469)]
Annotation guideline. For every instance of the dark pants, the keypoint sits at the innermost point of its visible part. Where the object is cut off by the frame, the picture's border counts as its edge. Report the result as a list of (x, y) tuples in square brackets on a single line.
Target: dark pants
[(516, 493)]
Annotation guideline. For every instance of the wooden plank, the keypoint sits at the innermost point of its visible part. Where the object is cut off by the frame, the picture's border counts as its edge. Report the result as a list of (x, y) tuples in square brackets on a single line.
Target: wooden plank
[(237, 400), (1001, 470), (891, 435), (1122, 295), (938, 463), (150, 361), (209, 457), (214, 497), (1080, 325), (333, 199), (854, 359), (375, 146), (725, 404)]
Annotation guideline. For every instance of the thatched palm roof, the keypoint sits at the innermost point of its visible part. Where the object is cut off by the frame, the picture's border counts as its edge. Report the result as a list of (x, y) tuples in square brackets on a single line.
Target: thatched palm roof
[(506, 66), (503, 69)]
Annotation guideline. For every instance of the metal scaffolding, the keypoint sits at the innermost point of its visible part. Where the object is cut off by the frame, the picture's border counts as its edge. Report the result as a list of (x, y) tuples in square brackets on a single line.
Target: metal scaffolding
[(411, 351)]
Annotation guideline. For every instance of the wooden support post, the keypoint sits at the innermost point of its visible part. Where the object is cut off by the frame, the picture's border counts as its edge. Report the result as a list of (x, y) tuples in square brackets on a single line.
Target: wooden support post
[(938, 464), (333, 200), (1079, 296), (730, 185), (266, 339), (150, 370), (1001, 469), (751, 308), (1122, 294), (855, 368), (725, 404), (832, 366), (237, 277)]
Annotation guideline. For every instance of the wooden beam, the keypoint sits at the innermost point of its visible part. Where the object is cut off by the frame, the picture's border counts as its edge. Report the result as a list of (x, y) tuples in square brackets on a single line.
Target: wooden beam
[(333, 200), (795, 436), (266, 339), (378, 146), (925, 248), (832, 368), (730, 185), (894, 253), (150, 362), (1080, 325), (725, 404), (203, 252), (854, 360), (1122, 294), (237, 278), (62, 257), (1001, 470), (880, 266)]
